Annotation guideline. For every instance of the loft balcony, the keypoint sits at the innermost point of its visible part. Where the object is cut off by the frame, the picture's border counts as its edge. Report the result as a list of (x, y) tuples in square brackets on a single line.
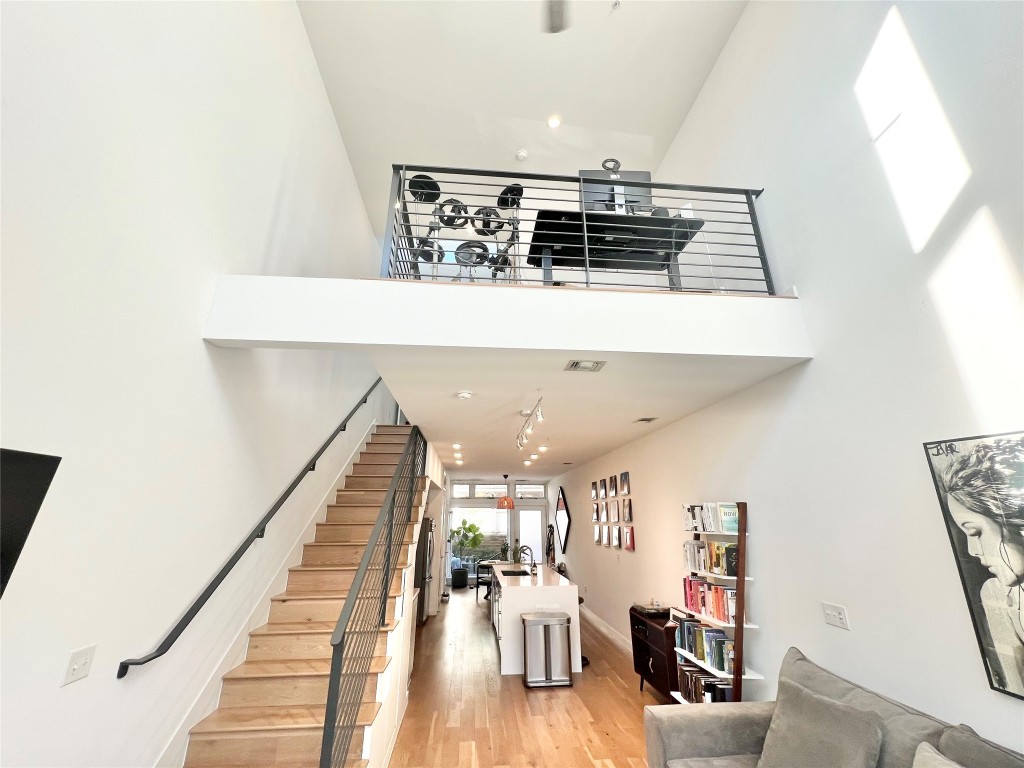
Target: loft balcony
[(500, 289), (607, 228)]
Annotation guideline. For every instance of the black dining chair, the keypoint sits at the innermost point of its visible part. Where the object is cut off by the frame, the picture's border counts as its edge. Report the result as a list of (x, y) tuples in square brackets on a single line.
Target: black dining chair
[(484, 574)]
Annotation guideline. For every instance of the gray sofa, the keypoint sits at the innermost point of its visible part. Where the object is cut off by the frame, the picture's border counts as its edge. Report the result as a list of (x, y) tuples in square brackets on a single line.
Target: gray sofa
[(733, 735)]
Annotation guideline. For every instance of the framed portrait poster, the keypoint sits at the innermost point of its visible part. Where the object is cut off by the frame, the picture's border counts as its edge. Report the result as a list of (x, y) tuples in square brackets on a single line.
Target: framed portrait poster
[(629, 543), (604, 511), (594, 516), (614, 514), (603, 493), (605, 536), (627, 510), (593, 490), (616, 537), (624, 483), (612, 485), (980, 486)]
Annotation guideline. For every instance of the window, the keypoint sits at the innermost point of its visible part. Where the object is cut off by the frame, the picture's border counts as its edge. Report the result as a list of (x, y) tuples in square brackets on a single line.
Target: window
[(488, 490), (530, 490), (460, 490)]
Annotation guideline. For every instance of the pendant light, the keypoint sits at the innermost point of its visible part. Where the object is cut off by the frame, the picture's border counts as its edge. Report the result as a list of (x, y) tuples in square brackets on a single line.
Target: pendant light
[(506, 502)]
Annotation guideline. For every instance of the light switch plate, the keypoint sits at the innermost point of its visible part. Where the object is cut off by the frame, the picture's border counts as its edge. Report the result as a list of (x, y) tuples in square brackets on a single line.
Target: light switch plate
[(79, 665), (835, 615)]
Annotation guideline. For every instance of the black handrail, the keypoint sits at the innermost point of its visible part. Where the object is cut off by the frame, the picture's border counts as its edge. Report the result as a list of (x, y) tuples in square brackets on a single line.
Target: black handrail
[(364, 611), (256, 533)]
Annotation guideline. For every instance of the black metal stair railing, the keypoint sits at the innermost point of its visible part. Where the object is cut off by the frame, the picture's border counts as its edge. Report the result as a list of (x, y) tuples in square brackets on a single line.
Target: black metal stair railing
[(603, 229), (256, 533), (365, 611)]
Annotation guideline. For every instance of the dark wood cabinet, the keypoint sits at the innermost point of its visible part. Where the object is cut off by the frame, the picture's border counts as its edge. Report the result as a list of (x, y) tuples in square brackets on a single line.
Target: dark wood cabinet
[(653, 651)]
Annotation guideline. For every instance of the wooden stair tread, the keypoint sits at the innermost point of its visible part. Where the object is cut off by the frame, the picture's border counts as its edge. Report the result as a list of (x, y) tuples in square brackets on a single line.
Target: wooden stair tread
[(243, 719), (306, 627), (236, 719), (332, 595), (249, 670)]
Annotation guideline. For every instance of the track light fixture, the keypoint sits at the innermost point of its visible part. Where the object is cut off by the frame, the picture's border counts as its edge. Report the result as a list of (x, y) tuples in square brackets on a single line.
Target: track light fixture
[(535, 413)]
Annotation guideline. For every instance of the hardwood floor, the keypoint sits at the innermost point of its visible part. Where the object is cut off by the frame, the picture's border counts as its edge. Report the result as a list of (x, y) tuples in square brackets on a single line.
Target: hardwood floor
[(463, 714)]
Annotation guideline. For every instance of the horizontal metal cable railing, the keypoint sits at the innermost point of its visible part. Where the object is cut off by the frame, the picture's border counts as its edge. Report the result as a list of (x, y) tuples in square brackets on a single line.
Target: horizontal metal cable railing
[(365, 612), (609, 231), (256, 533)]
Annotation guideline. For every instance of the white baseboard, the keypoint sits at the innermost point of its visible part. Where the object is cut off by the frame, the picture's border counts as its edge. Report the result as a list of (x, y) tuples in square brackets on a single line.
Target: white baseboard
[(606, 629), (206, 701)]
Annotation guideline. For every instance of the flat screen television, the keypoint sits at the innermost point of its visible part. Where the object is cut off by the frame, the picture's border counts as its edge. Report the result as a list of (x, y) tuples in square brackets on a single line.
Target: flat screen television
[(602, 192), (24, 480)]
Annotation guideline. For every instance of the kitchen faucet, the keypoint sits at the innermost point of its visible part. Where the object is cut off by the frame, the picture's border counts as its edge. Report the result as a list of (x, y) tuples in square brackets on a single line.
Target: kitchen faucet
[(533, 565)]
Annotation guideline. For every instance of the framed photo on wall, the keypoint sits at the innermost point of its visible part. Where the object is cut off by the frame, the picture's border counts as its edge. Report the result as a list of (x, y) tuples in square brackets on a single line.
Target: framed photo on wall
[(605, 536), (979, 483), (627, 538), (624, 483), (597, 534), (627, 510), (604, 511), (612, 485), (603, 493), (593, 490), (614, 516), (594, 516), (616, 537)]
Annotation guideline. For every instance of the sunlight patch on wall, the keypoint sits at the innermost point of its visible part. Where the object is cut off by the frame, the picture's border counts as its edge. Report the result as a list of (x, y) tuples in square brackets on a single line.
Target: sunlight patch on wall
[(979, 294), (919, 153)]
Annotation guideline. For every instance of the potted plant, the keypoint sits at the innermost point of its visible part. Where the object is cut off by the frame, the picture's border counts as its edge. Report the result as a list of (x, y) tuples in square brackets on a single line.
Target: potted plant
[(466, 536)]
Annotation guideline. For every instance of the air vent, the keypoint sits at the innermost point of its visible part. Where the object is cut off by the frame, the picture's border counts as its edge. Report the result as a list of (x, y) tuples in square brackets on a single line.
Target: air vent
[(586, 366), (645, 419)]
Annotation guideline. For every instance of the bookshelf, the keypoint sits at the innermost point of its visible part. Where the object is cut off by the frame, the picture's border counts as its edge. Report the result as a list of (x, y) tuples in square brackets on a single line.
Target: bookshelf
[(710, 635)]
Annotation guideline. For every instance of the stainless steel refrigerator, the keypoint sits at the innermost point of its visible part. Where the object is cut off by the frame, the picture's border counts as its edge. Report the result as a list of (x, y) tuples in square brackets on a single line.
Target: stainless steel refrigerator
[(424, 568)]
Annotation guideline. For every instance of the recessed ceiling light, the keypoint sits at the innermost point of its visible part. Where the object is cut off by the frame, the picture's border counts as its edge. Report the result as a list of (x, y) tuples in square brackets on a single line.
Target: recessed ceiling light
[(460, 462), (534, 456), (527, 463), (554, 121), (542, 448), (458, 455), (463, 394), (457, 446)]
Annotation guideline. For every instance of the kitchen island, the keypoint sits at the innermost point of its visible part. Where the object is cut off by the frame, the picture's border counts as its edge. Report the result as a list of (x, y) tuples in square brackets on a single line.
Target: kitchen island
[(514, 595)]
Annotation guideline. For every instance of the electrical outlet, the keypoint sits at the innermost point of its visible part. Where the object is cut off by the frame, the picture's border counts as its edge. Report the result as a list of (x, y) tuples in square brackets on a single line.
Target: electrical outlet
[(79, 665), (835, 615)]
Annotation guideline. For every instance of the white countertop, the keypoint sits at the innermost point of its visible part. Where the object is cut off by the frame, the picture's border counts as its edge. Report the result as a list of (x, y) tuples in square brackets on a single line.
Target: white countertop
[(546, 577)]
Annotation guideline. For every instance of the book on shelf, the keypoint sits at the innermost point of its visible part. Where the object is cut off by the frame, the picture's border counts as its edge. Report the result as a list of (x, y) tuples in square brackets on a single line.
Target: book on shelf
[(712, 517), (716, 557)]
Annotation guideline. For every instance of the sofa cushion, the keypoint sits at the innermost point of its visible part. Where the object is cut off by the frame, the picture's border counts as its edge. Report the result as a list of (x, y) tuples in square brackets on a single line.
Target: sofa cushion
[(812, 731), (729, 761), (928, 756), (903, 727), (963, 745)]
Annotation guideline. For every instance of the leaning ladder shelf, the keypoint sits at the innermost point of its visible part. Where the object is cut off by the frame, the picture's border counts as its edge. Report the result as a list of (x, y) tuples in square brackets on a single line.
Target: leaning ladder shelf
[(738, 628)]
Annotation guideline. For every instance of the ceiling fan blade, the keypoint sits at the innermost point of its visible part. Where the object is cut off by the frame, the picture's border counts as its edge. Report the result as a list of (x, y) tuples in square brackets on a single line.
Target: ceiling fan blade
[(558, 15)]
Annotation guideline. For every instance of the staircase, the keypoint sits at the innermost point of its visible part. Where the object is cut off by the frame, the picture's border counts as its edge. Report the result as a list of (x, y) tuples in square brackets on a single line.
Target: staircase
[(271, 709)]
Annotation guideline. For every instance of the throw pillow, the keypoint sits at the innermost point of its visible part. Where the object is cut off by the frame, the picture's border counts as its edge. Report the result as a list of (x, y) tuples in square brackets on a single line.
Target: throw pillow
[(928, 756), (811, 731)]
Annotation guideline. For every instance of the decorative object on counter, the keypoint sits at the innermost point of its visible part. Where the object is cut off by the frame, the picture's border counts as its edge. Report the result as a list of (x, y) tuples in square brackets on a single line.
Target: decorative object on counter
[(627, 510), (624, 483), (629, 543), (613, 484), (504, 551), (519, 550), (980, 485), (563, 520), (466, 536)]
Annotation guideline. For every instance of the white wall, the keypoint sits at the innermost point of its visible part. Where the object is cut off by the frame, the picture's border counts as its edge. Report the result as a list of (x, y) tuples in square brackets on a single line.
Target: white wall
[(829, 454), (147, 148)]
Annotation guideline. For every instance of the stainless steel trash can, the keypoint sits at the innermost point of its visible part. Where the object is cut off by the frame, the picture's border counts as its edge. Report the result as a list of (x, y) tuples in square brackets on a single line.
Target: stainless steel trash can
[(546, 657)]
